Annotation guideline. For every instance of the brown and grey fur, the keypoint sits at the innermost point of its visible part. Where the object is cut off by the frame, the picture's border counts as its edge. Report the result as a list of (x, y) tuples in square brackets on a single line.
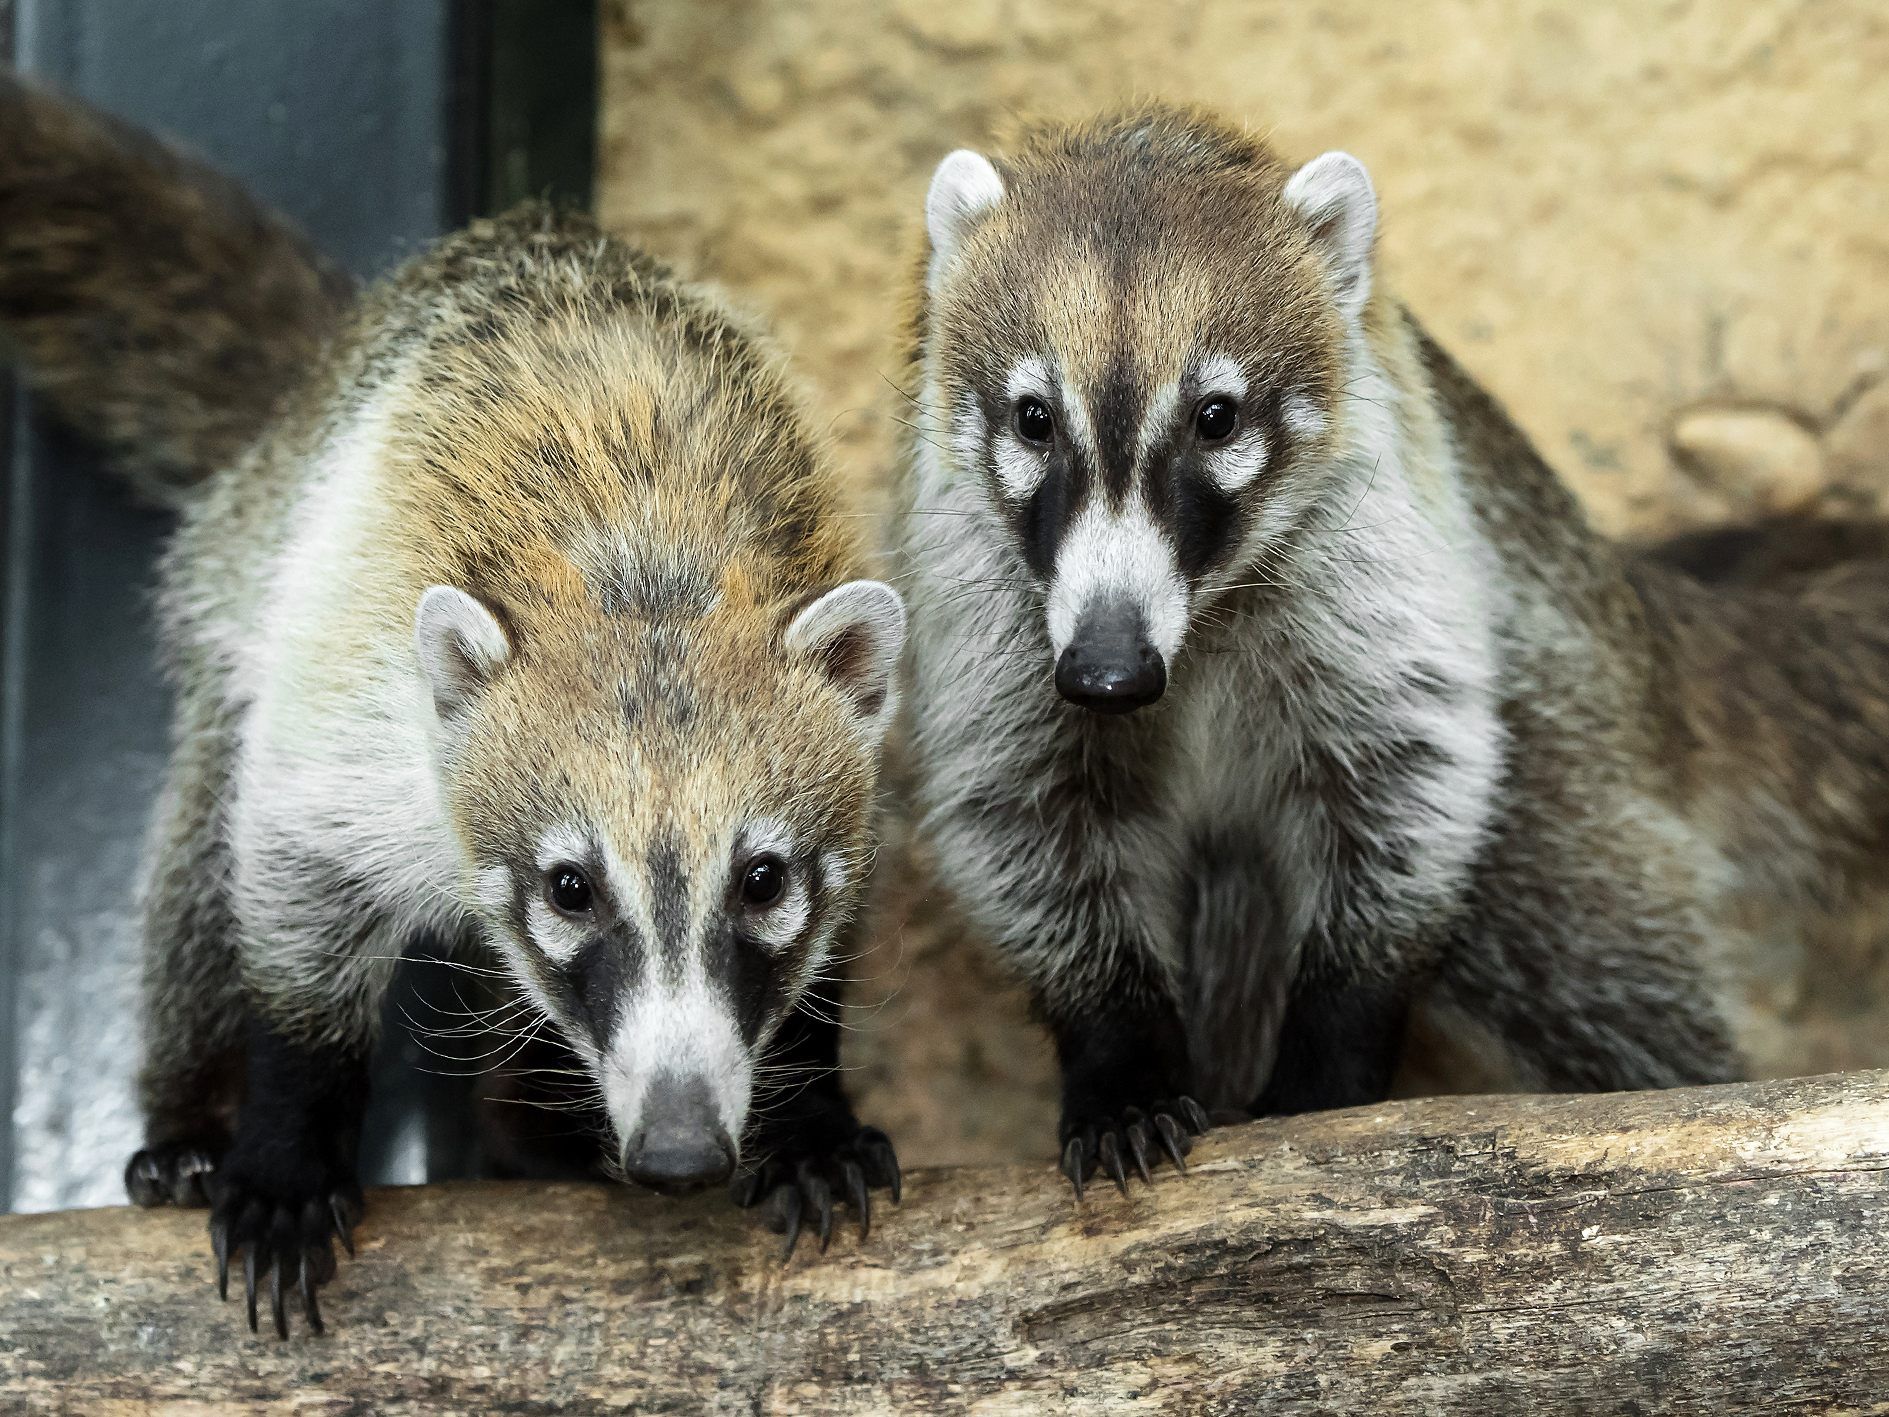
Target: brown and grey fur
[(1426, 737), (526, 558)]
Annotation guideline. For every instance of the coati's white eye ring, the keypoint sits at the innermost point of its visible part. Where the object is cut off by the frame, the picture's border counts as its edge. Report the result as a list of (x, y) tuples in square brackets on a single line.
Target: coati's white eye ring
[(1216, 419), (764, 882), (568, 891), (1034, 422)]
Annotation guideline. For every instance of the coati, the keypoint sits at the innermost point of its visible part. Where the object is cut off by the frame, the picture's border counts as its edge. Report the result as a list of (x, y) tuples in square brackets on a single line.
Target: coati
[(1265, 683), (512, 600)]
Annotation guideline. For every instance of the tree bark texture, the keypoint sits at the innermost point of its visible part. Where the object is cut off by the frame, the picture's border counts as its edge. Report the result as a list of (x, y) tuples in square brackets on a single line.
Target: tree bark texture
[(1709, 1250)]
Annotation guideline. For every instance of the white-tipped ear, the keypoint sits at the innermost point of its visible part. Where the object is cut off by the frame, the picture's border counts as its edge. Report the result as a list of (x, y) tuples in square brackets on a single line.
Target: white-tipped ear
[(1333, 193), (854, 634), (963, 188), (460, 644)]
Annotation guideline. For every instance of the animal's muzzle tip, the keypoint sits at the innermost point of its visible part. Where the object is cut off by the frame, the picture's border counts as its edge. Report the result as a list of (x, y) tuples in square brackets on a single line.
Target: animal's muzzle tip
[(681, 1145), (1109, 666)]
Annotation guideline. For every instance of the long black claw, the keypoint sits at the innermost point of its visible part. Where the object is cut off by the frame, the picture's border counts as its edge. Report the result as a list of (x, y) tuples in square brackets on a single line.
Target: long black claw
[(1110, 1152), (1138, 1149), (249, 1282), (344, 1225), (310, 1309), (854, 1176), (220, 1242), (1072, 1164), (823, 1206), (276, 1311), (1196, 1116), (1169, 1131), (877, 1148), (747, 1188), (793, 1221)]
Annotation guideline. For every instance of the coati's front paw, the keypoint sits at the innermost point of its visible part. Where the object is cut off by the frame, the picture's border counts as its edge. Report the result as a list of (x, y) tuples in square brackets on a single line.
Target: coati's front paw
[(284, 1230), (1113, 1142), (173, 1173), (802, 1174)]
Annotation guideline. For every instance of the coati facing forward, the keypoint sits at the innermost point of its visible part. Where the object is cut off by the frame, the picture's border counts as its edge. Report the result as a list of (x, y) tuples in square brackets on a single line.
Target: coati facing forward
[(1406, 728), (512, 599)]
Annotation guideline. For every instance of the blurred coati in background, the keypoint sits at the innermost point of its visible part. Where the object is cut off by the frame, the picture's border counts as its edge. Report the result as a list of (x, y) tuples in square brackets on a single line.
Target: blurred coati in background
[(512, 601), (1265, 683)]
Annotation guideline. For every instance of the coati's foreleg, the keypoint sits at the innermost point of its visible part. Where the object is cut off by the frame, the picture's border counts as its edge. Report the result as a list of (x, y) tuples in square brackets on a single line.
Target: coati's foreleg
[(1279, 1021), (1339, 1043), (807, 1149), (318, 956), (1592, 982), (289, 1185), (191, 1076), (1126, 1079)]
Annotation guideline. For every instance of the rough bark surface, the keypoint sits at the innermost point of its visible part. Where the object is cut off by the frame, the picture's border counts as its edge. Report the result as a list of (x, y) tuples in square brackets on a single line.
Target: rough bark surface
[(1714, 1250)]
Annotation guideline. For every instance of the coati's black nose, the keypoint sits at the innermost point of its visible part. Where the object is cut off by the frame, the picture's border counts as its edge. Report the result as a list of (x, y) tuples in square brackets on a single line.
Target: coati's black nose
[(680, 1144), (1108, 665)]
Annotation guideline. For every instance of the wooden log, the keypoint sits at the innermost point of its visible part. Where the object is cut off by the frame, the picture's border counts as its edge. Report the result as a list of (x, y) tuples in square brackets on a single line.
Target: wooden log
[(1710, 1250)]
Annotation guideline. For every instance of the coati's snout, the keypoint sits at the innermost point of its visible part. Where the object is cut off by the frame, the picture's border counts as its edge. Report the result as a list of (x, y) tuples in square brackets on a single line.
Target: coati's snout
[(681, 1144), (1110, 665)]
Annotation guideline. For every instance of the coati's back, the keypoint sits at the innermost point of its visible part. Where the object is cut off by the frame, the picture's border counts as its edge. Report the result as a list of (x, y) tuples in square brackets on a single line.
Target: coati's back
[(490, 411)]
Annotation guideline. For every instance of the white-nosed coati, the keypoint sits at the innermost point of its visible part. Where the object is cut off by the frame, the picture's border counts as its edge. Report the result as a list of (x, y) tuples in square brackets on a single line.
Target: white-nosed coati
[(1404, 727), (512, 600)]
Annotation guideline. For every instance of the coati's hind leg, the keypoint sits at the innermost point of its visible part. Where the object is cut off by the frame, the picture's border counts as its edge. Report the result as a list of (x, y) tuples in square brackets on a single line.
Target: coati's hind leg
[(193, 1010), (1277, 1027), (1591, 984), (1338, 1044)]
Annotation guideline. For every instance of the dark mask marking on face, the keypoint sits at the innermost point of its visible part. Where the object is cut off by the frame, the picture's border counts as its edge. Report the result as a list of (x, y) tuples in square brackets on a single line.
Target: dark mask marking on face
[(1116, 413), (1043, 519), (598, 975), (669, 900)]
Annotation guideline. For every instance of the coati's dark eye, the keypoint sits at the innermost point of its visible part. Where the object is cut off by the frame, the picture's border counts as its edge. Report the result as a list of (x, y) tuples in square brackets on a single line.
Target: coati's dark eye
[(764, 880), (1034, 423), (1215, 420), (568, 890)]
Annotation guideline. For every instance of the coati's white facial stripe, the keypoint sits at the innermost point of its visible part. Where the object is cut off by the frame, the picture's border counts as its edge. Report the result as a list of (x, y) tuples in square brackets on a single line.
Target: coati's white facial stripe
[(560, 844), (492, 890), (835, 871), (1124, 556), (1234, 466), (1221, 375), (968, 432), (780, 924), (688, 1031), (1302, 417), (1020, 467), (1078, 425), (1156, 420), (1030, 376), (561, 940)]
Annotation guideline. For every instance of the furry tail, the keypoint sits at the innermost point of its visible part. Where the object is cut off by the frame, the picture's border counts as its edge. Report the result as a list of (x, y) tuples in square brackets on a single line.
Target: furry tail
[(154, 304)]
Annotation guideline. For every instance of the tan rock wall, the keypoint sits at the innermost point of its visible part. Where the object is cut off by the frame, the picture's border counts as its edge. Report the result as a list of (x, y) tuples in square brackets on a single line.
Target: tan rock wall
[(1660, 232)]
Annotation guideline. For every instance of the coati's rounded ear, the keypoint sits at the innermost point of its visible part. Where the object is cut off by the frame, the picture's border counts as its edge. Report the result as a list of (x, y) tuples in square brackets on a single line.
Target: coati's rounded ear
[(1334, 195), (963, 188), (854, 634), (461, 646)]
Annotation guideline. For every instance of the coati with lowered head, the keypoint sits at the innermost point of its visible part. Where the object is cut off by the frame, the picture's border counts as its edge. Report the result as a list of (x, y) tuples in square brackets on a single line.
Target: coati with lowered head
[(1266, 683), (512, 600)]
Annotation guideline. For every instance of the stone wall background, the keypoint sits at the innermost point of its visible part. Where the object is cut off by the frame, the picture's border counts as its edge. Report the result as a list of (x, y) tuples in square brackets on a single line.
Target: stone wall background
[(1658, 231)]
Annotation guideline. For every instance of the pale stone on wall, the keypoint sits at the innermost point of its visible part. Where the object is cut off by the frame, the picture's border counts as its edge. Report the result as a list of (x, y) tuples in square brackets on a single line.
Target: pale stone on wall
[(1659, 233)]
